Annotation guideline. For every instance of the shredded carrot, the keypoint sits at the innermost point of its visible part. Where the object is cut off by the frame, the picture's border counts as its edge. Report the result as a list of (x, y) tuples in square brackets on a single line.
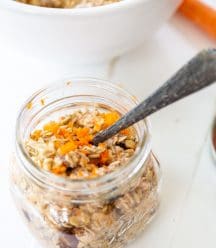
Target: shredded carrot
[(81, 132), (83, 136), (57, 144), (97, 127), (67, 147), (36, 135), (80, 173), (104, 157), (29, 105), (110, 118), (125, 131), (95, 171), (101, 145), (62, 132), (85, 141), (59, 170), (42, 101), (51, 127)]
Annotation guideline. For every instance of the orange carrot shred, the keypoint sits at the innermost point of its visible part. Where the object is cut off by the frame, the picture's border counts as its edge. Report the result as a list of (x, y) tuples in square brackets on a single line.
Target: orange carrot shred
[(81, 132), (110, 118), (83, 136), (52, 127), (62, 132), (36, 134), (59, 170), (104, 157), (67, 147), (57, 144), (125, 131)]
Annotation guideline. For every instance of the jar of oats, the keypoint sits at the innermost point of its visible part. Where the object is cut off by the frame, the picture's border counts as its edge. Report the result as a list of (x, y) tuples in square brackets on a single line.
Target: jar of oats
[(71, 193)]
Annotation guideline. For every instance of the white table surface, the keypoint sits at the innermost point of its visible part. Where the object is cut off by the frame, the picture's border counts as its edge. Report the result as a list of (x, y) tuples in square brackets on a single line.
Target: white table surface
[(187, 216)]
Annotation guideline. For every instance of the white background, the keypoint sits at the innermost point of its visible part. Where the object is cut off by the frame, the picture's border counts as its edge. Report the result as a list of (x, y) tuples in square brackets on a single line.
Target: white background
[(187, 217), (210, 2)]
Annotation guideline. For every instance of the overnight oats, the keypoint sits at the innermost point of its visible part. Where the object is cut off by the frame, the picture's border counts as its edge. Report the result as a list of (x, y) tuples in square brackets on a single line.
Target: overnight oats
[(68, 3), (71, 193)]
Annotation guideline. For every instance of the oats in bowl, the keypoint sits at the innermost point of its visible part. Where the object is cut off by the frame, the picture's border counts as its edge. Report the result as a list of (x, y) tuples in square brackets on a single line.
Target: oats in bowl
[(68, 3)]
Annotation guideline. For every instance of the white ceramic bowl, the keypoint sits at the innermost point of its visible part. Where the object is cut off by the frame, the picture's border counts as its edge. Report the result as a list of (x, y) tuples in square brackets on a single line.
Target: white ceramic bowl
[(82, 35)]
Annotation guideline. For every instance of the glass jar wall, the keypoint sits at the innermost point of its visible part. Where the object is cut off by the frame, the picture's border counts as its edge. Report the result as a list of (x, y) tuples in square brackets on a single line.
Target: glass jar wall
[(103, 212)]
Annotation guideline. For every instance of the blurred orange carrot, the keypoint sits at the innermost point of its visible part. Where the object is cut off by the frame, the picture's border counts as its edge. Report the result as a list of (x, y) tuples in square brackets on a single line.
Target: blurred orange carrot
[(201, 14)]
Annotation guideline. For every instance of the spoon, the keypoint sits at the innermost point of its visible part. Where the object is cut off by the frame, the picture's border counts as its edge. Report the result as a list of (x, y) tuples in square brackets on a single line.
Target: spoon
[(197, 74)]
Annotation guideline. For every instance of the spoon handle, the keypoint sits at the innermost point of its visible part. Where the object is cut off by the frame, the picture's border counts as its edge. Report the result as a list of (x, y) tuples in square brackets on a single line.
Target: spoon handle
[(198, 73)]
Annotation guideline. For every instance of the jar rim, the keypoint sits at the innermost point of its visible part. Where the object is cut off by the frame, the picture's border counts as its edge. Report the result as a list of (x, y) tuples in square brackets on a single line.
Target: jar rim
[(105, 181)]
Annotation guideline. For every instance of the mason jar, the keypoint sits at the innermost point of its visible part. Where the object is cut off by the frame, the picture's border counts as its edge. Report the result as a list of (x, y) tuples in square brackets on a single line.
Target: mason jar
[(103, 212)]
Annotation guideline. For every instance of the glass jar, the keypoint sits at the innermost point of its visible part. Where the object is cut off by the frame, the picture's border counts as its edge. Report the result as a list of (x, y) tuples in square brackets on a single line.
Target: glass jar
[(104, 212)]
